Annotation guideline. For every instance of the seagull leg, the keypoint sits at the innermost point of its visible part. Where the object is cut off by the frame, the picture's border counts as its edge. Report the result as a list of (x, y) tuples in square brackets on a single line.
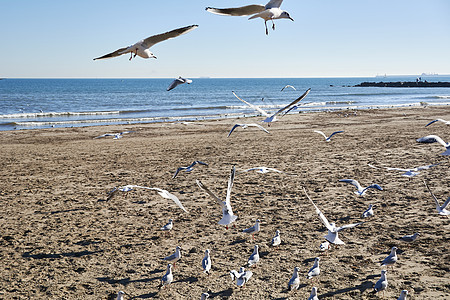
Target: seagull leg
[(273, 25), (267, 31), (131, 57)]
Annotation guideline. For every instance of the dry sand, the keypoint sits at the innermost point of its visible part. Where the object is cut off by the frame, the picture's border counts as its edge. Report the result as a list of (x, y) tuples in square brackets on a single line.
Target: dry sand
[(60, 239)]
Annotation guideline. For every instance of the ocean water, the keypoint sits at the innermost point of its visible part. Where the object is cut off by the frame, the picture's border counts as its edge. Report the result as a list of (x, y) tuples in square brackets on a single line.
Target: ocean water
[(44, 103)]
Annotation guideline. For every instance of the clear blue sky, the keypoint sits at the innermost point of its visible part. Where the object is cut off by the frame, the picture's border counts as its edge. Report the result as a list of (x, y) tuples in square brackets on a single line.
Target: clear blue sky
[(329, 38)]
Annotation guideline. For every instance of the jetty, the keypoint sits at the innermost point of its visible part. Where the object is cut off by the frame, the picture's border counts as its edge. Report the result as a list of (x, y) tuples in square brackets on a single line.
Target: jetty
[(404, 84)]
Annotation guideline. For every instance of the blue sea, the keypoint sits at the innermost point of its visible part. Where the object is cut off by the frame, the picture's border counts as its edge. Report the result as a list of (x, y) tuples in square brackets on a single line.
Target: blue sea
[(44, 103)]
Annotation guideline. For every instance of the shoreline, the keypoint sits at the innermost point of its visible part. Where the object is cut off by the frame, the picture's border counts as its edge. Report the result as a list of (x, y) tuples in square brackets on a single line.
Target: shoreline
[(61, 240)]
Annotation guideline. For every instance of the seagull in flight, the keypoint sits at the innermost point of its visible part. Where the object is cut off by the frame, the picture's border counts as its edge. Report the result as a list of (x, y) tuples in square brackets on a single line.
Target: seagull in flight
[(142, 48), (272, 118), (360, 190), (435, 139), (245, 126), (408, 172), (188, 168), (442, 210), (262, 170), (115, 136), (332, 235), (328, 138), (438, 120), (177, 82), (288, 86), (268, 12), (163, 193), (227, 213)]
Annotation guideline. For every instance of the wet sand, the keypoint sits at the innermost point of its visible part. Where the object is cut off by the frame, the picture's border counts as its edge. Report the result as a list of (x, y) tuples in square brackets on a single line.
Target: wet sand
[(60, 239)]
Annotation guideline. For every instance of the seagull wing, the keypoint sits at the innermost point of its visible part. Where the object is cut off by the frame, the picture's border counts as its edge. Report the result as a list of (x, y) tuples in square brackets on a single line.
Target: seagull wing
[(336, 132), (232, 129), (200, 163), (259, 126), (203, 187), (253, 106), (321, 133), (174, 84), (112, 193), (354, 182), (337, 229), (445, 203), (103, 135), (150, 41), (288, 86), (320, 214), (292, 103), (177, 171), (165, 194), (230, 186), (237, 11), (426, 167), (441, 141), (434, 121), (115, 53), (434, 197), (273, 4)]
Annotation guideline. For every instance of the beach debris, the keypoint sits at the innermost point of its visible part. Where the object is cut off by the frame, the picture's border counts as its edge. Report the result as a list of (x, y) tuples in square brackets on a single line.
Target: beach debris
[(174, 257), (115, 136), (254, 229), (276, 240), (245, 126), (327, 139), (272, 118), (294, 282), (168, 277), (254, 257), (189, 168), (391, 259), (315, 270), (268, 12), (163, 193), (313, 295), (368, 212), (360, 191), (438, 120), (177, 82), (332, 235), (142, 48), (381, 284), (227, 213), (206, 262), (435, 139), (442, 210), (288, 86), (241, 277)]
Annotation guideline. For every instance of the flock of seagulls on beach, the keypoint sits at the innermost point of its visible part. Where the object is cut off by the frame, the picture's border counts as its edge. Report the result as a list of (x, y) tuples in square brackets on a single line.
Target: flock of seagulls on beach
[(268, 12)]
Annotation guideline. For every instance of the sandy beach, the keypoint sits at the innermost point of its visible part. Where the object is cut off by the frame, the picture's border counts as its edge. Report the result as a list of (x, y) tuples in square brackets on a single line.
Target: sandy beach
[(60, 239)]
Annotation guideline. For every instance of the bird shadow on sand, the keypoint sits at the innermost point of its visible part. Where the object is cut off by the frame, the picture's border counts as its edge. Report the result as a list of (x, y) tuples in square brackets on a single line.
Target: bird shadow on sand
[(126, 281), (222, 294), (59, 255), (235, 242), (361, 288), (189, 280)]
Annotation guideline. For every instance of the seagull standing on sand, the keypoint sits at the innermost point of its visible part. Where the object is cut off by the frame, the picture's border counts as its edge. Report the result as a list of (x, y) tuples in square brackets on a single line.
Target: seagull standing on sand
[(324, 246), (410, 237), (360, 190), (272, 118), (440, 209), (254, 229), (438, 120), (115, 136), (381, 284), (276, 240), (163, 193), (391, 259), (254, 258), (168, 277), (168, 227), (142, 48), (173, 258), (332, 235), (313, 295), (242, 277), (268, 12), (294, 282), (188, 168), (315, 270), (227, 213), (177, 82), (206, 262), (403, 295), (327, 139), (245, 126), (435, 139), (120, 295), (368, 212)]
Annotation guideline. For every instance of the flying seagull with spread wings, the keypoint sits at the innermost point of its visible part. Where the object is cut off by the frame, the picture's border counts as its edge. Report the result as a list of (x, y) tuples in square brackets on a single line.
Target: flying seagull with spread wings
[(245, 126), (268, 12), (142, 48), (438, 120), (272, 118), (177, 82), (189, 168), (435, 139), (332, 235), (329, 137), (442, 210)]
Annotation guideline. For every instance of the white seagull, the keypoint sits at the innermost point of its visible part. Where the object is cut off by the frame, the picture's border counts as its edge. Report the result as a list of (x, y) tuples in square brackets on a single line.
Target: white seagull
[(360, 190), (204, 296), (294, 282), (227, 213), (410, 237), (442, 210), (188, 168), (120, 295), (276, 240), (409, 172), (329, 137), (206, 262), (391, 259), (332, 235), (115, 136), (254, 257), (168, 226), (267, 12), (313, 295), (168, 277), (163, 193), (315, 270), (177, 82), (368, 212), (403, 295), (241, 277), (381, 284), (435, 139), (142, 48), (324, 246), (245, 126), (254, 229), (272, 118), (174, 257), (263, 170), (288, 86), (438, 120)]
